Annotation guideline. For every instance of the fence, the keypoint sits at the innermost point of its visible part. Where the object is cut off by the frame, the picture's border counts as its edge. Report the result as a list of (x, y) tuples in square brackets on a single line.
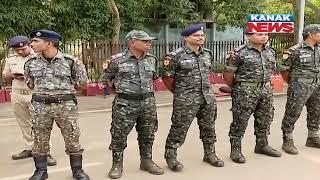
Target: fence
[(93, 54)]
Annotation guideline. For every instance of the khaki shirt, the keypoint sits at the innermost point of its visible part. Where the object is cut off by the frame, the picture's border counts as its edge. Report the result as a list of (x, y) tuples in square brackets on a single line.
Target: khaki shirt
[(15, 64)]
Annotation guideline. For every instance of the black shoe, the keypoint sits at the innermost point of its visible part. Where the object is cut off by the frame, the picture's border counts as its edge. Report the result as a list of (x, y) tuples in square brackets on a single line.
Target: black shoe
[(313, 142), (267, 150), (174, 165), (151, 167), (22, 155), (213, 160), (289, 147), (51, 161)]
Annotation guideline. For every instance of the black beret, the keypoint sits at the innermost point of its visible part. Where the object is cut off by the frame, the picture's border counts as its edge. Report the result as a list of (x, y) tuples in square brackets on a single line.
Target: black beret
[(187, 31), (46, 34), (18, 41)]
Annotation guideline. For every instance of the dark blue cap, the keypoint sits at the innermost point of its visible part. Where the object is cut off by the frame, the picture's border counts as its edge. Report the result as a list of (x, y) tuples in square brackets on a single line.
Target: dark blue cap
[(46, 34), (187, 31), (18, 41)]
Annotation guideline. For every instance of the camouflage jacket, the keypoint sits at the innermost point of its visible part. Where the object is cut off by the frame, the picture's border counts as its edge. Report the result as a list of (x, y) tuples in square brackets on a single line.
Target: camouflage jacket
[(55, 77), (191, 72), (252, 65), (302, 61), (131, 75)]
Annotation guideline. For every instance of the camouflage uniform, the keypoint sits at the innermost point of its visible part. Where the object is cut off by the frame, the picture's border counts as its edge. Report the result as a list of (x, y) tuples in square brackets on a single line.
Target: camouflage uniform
[(303, 64), (252, 93), (133, 105), (53, 100), (50, 79), (193, 97), (134, 102)]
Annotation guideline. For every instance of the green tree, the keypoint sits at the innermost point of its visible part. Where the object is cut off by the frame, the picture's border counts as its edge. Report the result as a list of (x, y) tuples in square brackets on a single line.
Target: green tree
[(20, 17)]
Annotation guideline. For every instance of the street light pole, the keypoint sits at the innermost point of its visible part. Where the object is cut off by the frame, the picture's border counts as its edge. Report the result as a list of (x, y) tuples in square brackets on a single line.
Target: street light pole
[(301, 6)]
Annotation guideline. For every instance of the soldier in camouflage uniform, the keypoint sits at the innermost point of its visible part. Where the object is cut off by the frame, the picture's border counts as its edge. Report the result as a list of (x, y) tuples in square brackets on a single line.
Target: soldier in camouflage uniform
[(132, 73), (301, 69), (54, 78), (186, 72), (248, 71)]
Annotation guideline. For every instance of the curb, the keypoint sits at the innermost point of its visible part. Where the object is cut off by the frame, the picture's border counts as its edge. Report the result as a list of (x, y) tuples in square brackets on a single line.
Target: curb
[(221, 99)]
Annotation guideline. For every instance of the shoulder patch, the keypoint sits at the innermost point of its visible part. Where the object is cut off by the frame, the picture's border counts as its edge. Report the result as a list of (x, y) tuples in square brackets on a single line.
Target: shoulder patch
[(167, 60), (12, 55), (106, 64), (68, 56), (239, 48), (116, 56), (293, 48)]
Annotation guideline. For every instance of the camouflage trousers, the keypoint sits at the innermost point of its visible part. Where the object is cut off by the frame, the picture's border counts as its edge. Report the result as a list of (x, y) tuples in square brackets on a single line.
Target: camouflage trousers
[(129, 113), (66, 117), (248, 100), (182, 117), (298, 95)]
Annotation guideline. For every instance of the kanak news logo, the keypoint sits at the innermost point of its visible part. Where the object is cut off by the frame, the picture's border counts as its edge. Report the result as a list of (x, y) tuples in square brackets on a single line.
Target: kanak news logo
[(270, 23)]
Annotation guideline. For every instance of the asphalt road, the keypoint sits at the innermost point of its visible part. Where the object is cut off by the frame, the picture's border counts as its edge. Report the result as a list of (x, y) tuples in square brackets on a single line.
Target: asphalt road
[(95, 139)]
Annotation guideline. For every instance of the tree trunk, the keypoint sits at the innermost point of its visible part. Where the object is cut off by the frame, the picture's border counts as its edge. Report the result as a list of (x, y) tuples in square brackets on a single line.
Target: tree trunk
[(117, 25)]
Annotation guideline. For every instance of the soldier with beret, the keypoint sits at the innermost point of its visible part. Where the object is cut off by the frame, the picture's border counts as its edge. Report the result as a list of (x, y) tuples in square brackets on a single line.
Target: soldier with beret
[(131, 73), (186, 72), (21, 95), (54, 78), (301, 70), (248, 71)]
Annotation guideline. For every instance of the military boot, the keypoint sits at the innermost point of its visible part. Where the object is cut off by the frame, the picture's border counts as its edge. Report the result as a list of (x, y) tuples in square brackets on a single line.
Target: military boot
[(41, 168), (171, 159), (117, 165), (236, 154), (313, 142), (146, 163), (288, 146), (262, 147), (76, 167), (210, 155)]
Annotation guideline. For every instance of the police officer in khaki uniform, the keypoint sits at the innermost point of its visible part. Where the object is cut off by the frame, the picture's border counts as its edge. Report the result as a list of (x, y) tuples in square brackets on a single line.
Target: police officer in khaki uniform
[(21, 94)]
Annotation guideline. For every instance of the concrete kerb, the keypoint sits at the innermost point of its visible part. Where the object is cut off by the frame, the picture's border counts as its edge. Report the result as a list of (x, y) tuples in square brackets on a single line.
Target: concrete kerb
[(221, 99)]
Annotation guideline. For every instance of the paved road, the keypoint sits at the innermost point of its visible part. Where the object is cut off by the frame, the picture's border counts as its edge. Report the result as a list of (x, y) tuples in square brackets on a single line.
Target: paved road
[(97, 158)]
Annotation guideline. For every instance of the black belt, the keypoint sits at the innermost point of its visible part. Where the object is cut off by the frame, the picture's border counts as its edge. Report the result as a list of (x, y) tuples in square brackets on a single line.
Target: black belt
[(137, 97), (254, 84), (48, 99)]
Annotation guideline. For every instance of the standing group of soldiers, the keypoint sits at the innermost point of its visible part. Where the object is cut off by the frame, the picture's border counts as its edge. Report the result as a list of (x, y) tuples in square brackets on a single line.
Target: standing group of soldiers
[(52, 78)]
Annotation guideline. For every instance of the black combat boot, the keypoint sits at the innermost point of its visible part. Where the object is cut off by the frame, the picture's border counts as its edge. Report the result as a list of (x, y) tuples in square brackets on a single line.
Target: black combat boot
[(236, 154), (288, 146), (41, 168), (146, 163), (262, 147), (171, 158), (117, 165), (210, 155), (76, 167), (313, 142)]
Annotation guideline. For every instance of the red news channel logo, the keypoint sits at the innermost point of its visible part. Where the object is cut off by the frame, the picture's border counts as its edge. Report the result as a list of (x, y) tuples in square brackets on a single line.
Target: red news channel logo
[(270, 23)]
